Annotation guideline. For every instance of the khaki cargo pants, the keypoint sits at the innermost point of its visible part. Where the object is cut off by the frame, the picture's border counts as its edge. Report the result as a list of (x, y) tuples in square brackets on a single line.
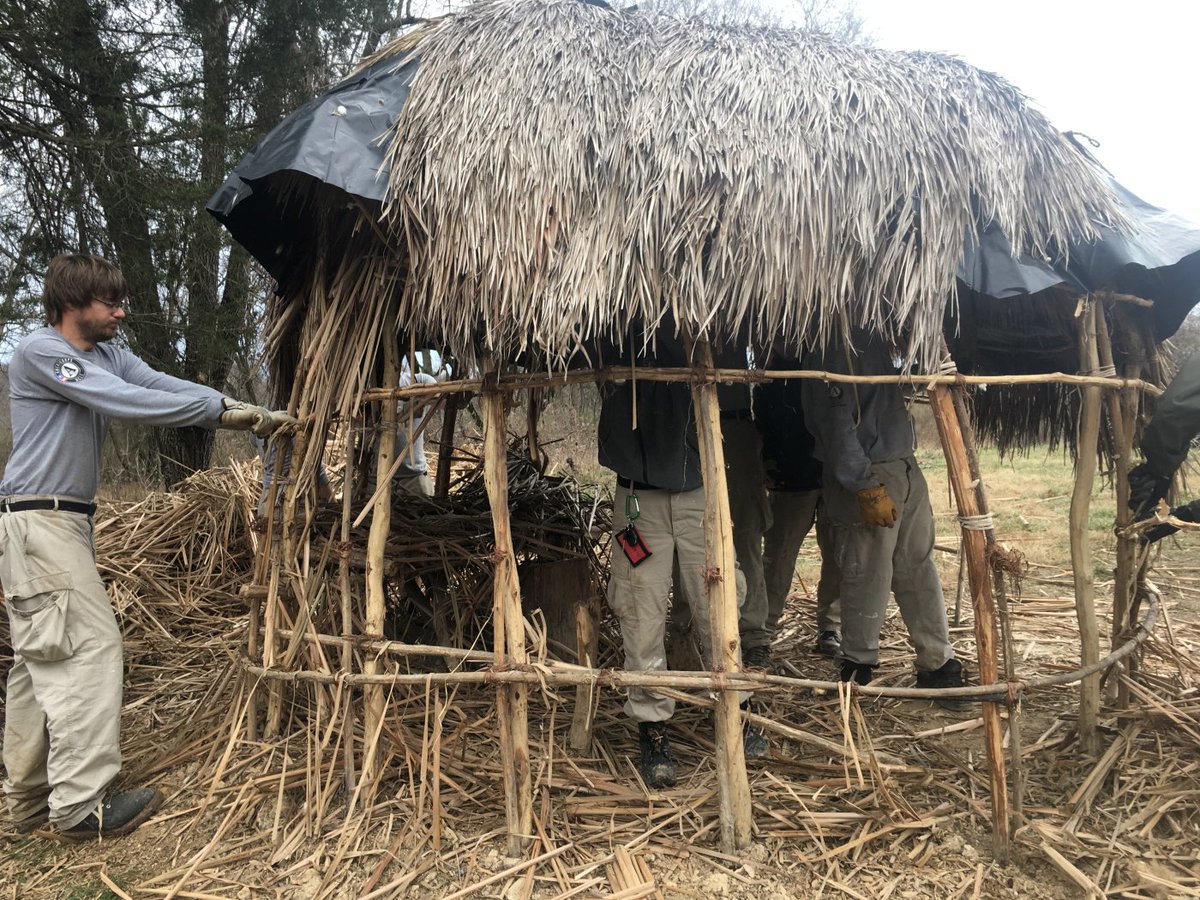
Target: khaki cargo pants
[(874, 561), (792, 515), (672, 525), (750, 511), (63, 705)]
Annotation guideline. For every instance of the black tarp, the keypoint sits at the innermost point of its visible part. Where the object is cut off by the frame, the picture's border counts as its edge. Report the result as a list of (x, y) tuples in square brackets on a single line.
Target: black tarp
[(337, 141), (1159, 260)]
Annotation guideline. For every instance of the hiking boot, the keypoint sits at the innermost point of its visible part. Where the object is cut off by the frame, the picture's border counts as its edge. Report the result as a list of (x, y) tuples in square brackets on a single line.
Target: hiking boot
[(859, 673), (119, 814), (757, 657), (32, 823), (656, 766), (754, 742), (950, 675), (829, 643)]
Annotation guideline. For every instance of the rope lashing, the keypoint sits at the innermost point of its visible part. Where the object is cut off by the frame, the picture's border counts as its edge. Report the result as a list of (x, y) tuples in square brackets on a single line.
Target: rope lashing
[(977, 523)]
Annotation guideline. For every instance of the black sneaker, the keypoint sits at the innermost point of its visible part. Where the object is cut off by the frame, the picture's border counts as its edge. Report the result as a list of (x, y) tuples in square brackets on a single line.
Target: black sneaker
[(829, 643), (860, 673), (656, 766), (757, 657), (950, 675), (754, 742), (119, 814)]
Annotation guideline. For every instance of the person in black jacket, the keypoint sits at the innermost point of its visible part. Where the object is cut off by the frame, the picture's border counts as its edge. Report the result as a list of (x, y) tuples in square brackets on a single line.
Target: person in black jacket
[(1165, 445)]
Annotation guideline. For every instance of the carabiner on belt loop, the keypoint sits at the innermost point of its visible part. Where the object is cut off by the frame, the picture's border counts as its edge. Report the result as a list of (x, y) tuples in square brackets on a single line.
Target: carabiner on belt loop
[(633, 509)]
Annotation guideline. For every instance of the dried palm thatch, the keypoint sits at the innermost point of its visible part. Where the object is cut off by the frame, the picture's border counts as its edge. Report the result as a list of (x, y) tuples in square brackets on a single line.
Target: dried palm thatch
[(562, 171)]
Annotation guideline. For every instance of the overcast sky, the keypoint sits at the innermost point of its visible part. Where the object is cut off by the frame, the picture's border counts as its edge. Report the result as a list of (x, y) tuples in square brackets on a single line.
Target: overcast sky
[(1122, 73)]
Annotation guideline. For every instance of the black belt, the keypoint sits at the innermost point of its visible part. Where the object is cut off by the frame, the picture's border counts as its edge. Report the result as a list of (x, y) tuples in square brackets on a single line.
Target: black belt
[(9, 506), (631, 485)]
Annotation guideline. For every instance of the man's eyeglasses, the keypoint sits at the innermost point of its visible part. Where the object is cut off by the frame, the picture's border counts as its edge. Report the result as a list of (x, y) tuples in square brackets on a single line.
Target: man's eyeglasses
[(111, 304)]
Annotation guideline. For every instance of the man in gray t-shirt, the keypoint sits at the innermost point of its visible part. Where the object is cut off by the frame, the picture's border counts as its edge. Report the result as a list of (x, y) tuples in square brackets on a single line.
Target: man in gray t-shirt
[(63, 698)]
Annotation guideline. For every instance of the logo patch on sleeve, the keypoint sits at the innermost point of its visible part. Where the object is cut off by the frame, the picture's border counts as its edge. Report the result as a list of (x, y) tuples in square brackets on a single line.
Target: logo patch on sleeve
[(68, 369)]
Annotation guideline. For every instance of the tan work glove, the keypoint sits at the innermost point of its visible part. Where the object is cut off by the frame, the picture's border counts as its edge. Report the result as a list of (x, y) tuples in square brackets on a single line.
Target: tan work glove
[(247, 417), (877, 507)]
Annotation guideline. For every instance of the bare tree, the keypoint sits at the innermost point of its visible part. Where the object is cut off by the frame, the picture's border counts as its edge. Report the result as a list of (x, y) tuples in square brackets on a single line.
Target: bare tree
[(118, 118)]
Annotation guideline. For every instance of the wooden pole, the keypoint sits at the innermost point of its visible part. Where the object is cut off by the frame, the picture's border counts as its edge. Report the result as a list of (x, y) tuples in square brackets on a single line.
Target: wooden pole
[(733, 785), (347, 609), (1081, 562), (1015, 756), (533, 414), (508, 623), (587, 645), (1122, 412), (982, 602), (381, 524), (441, 488)]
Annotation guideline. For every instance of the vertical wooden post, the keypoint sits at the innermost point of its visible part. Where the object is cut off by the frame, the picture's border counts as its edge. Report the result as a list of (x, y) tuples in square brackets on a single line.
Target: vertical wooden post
[(347, 609), (1121, 414), (982, 601), (441, 488), (1081, 561), (533, 414), (587, 645), (732, 782), (381, 524), (1015, 755), (508, 623)]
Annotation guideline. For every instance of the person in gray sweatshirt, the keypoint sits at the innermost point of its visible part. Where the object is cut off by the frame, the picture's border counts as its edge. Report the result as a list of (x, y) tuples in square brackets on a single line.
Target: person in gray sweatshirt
[(63, 698), (878, 506)]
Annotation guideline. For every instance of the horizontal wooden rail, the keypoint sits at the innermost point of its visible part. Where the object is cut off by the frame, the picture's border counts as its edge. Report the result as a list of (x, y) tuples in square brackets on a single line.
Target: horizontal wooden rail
[(699, 375), (560, 673)]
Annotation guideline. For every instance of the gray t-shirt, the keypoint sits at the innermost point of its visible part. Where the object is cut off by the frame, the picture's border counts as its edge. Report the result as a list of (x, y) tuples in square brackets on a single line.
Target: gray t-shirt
[(63, 399)]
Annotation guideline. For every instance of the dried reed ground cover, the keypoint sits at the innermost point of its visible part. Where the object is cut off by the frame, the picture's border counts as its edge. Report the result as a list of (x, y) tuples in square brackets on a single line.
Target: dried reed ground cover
[(906, 818)]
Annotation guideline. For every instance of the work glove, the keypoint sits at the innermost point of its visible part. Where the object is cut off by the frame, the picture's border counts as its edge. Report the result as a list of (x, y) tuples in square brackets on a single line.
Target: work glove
[(1185, 513), (1145, 490), (247, 417), (877, 507)]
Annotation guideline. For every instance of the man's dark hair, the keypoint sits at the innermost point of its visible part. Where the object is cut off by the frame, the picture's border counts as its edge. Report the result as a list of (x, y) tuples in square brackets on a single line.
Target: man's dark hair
[(74, 280)]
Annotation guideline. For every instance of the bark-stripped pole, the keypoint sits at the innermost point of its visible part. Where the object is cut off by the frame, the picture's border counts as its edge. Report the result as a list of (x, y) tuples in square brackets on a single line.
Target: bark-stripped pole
[(732, 782), (979, 578), (1016, 745), (381, 525), (347, 609), (587, 644), (1081, 501), (508, 623), (1125, 573)]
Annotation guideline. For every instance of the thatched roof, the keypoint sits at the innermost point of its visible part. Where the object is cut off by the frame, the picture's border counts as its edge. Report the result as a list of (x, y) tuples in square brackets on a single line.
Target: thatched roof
[(562, 169)]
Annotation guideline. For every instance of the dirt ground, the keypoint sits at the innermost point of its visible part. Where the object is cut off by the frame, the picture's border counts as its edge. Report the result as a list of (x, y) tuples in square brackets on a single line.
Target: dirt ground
[(900, 811)]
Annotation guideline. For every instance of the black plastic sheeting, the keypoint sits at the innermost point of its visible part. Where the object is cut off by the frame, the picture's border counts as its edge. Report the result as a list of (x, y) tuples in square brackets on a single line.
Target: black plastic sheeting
[(1159, 260), (336, 143)]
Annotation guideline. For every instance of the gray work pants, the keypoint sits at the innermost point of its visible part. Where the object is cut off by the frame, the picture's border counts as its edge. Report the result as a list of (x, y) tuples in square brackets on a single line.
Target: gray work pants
[(750, 512), (671, 524), (792, 517), (874, 560), (63, 703)]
